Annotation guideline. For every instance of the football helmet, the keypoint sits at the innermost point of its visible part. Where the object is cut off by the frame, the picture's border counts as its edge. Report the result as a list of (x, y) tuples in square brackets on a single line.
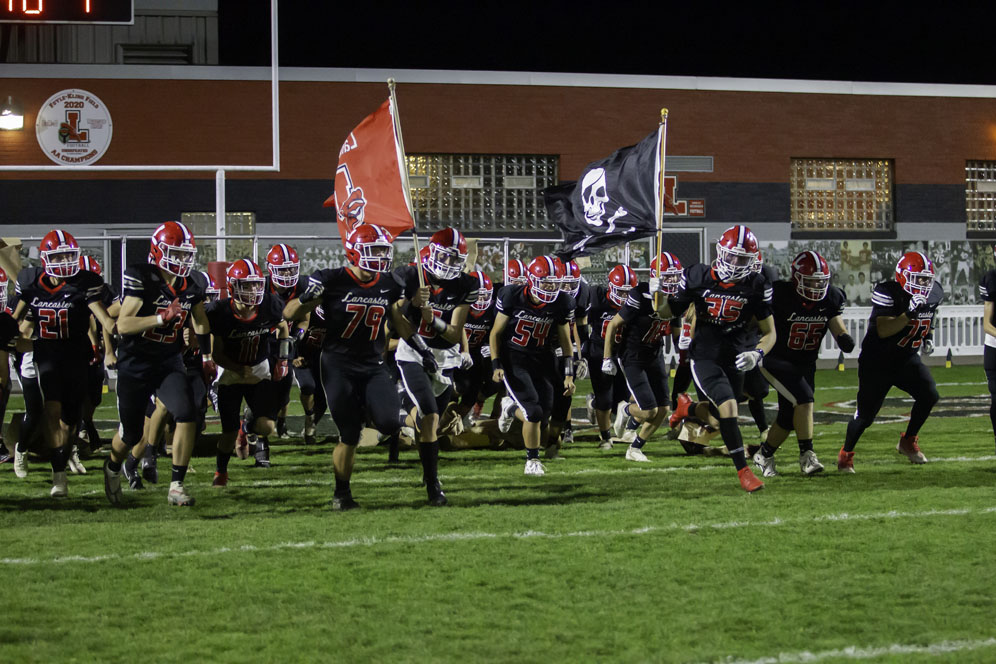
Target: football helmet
[(90, 264), (811, 275), (915, 273), (736, 253), (622, 280), (758, 264), (544, 277), (667, 268), (447, 254), (369, 248), (172, 248), (283, 265), (3, 290), (572, 278), (212, 291), (515, 272), (485, 291), (60, 255), (246, 284)]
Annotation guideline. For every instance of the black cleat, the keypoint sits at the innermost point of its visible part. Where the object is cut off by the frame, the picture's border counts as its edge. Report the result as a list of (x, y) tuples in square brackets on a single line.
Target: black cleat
[(281, 427), (262, 454), (436, 496), (134, 479), (5, 454), (344, 503)]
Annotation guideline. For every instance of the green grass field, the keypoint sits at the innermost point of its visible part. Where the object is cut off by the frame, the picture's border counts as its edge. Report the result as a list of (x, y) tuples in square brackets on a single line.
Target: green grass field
[(600, 560)]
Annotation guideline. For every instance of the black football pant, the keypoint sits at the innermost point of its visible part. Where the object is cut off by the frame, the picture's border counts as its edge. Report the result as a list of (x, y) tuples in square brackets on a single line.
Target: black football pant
[(529, 380), (62, 375), (139, 380), (795, 384), (875, 379), (647, 382), (356, 391), (989, 364), (475, 383), (608, 390)]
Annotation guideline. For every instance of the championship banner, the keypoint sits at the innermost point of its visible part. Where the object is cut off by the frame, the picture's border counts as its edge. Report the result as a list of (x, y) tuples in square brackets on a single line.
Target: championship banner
[(614, 202), (369, 183)]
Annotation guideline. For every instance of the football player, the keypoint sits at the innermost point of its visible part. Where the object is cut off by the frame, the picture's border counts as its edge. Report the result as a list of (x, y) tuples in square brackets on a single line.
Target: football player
[(727, 296), (640, 359), (604, 304), (522, 352), (284, 268), (560, 416), (159, 297), (103, 356), (58, 298), (356, 301), (987, 291), (899, 329), (8, 335), (474, 384), (241, 327), (307, 371), (805, 309), (438, 312)]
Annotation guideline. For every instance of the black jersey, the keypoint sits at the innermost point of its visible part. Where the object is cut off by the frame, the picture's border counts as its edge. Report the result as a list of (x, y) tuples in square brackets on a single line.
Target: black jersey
[(987, 292), (8, 331), (355, 311), (314, 337), (532, 328), (284, 294), (478, 327), (723, 311), (801, 324), (600, 310), (444, 297), (889, 299), (60, 313), (581, 301), (245, 340), (145, 282), (644, 332)]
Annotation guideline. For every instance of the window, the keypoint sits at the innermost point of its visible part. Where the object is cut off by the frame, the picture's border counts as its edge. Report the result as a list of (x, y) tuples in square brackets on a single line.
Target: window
[(980, 195), (852, 195), (481, 192)]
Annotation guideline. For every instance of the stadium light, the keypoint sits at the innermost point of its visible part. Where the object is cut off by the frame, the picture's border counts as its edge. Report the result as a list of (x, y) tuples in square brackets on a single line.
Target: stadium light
[(11, 115)]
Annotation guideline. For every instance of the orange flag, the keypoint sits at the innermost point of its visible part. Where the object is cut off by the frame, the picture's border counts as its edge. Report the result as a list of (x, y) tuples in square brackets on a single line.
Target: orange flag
[(369, 183)]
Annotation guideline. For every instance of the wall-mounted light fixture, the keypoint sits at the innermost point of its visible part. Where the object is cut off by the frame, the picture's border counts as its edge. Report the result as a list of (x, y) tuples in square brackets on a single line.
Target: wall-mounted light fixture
[(11, 115)]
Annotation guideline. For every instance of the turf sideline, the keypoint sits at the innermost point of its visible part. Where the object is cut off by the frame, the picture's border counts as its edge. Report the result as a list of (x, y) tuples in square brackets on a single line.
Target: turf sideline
[(856, 652), (691, 528)]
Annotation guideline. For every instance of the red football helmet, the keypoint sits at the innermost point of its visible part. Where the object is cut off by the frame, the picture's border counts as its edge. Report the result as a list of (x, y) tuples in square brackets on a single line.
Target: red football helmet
[(544, 277), (369, 248), (572, 278), (485, 291), (811, 275), (915, 273), (667, 268), (283, 265), (90, 264), (212, 291), (736, 253), (173, 249), (3, 290), (447, 254), (758, 264), (622, 280), (246, 284), (60, 255), (515, 272)]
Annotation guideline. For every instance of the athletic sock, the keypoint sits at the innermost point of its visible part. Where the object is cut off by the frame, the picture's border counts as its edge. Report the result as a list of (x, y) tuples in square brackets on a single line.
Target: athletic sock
[(428, 454), (805, 445), (532, 454), (342, 489), (638, 443), (605, 435), (730, 432), (854, 431), (221, 464), (767, 450), (113, 466), (60, 457), (756, 408), (632, 423), (179, 472), (918, 415)]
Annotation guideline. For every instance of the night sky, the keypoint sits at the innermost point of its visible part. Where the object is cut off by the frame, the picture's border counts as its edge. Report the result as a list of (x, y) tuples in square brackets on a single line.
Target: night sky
[(857, 41)]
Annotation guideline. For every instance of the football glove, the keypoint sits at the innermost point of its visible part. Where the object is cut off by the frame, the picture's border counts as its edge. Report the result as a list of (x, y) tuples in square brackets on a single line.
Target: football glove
[(928, 346), (845, 342), (466, 361), (280, 371), (917, 302), (655, 284), (580, 369), (209, 370), (485, 351), (609, 367), (749, 359), (428, 359), (314, 291)]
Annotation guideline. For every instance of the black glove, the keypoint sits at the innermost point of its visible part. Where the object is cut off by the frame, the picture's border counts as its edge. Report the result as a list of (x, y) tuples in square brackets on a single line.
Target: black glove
[(428, 359), (845, 342)]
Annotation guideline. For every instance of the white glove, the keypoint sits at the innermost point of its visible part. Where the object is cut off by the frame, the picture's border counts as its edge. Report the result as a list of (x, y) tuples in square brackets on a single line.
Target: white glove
[(917, 302), (655, 284), (928, 346), (486, 351), (580, 369), (748, 359), (466, 361), (609, 367), (558, 352), (684, 342)]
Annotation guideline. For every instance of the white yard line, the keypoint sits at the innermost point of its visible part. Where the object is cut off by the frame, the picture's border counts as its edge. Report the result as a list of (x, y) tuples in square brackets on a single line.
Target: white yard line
[(869, 652), (478, 536)]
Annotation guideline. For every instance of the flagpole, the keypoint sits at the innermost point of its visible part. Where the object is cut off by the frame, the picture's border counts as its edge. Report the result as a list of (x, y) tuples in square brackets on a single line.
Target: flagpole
[(403, 165), (661, 195)]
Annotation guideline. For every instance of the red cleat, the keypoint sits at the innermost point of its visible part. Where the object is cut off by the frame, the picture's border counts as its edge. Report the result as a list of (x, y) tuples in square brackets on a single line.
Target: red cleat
[(908, 447), (242, 442), (680, 410), (220, 479), (845, 461), (748, 480)]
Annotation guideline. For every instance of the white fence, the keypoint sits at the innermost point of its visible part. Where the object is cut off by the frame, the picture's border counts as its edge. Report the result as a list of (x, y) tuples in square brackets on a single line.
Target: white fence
[(956, 327)]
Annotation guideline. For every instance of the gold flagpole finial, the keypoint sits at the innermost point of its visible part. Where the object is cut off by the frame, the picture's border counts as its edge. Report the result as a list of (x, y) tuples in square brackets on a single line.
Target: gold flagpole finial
[(663, 114)]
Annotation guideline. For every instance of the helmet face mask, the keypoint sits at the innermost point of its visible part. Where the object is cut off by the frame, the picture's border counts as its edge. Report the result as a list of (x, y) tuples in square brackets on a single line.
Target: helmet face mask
[(571, 282), (172, 249), (447, 254), (622, 280), (915, 273), (515, 272), (736, 254), (60, 255), (545, 276), (369, 248), (485, 292), (811, 275), (670, 275), (283, 266), (246, 284)]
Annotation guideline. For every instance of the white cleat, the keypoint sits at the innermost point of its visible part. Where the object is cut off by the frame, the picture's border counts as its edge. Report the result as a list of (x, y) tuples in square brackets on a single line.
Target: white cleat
[(765, 464), (112, 484), (809, 464), (629, 435), (60, 485), (605, 445), (20, 464), (589, 406), (178, 495), (507, 414), (635, 454), (534, 467), (619, 424), (75, 464)]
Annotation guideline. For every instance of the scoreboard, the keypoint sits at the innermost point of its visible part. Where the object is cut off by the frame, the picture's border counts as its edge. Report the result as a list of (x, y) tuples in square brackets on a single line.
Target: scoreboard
[(67, 11)]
